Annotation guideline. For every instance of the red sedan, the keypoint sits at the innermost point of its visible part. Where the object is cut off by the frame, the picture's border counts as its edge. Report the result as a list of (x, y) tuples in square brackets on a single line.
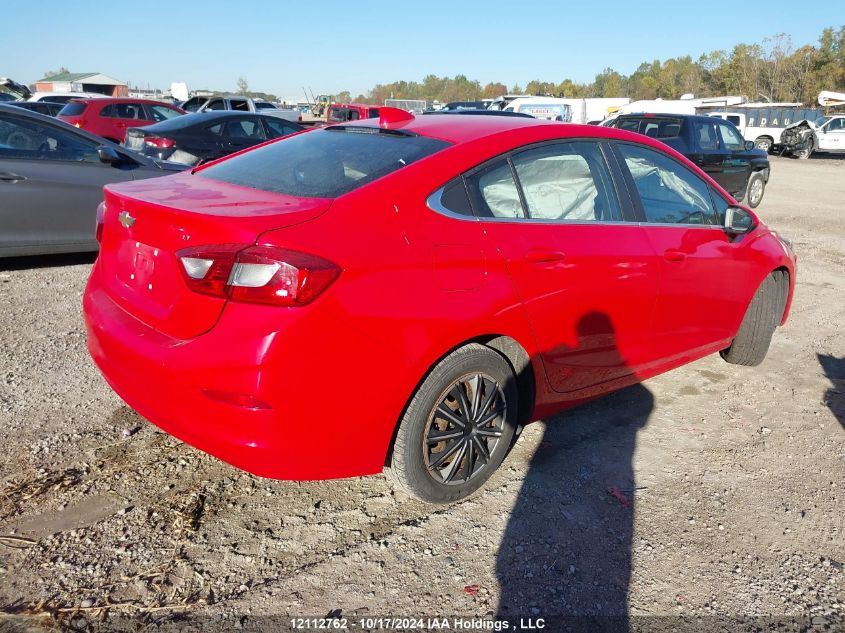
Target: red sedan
[(409, 292), (110, 117)]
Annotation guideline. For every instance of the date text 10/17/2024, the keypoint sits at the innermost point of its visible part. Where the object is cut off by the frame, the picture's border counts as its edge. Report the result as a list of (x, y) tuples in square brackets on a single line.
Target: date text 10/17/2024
[(415, 624)]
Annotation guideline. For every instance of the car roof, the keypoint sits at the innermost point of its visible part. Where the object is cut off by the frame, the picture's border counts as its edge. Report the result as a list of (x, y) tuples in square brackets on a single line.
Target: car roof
[(209, 117), (457, 129), (107, 100), (669, 115)]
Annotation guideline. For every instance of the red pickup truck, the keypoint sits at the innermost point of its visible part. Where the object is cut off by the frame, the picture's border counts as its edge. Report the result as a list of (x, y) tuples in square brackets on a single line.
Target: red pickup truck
[(343, 112)]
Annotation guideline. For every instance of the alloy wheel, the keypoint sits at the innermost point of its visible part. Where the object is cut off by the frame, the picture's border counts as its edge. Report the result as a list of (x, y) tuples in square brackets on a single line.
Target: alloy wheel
[(464, 429)]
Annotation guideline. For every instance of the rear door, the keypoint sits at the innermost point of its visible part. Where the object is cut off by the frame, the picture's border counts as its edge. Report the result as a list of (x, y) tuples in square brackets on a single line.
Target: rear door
[(703, 272), (117, 117), (242, 133), (586, 277), (51, 181)]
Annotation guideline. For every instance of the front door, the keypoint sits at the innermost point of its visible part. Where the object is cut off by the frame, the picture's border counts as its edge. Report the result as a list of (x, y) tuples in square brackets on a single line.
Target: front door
[(51, 181), (736, 159), (832, 136), (703, 272), (585, 277)]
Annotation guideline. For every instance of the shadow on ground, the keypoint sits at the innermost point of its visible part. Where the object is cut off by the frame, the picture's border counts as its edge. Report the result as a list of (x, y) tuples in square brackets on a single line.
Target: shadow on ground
[(834, 398), (566, 551)]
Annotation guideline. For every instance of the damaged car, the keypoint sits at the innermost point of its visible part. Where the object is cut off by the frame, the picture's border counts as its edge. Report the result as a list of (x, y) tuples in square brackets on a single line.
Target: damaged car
[(13, 91), (824, 134)]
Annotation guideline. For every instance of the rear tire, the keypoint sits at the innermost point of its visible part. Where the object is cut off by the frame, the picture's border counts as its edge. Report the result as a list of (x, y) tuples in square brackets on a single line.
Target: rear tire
[(752, 341), (755, 190), (476, 388), (802, 154)]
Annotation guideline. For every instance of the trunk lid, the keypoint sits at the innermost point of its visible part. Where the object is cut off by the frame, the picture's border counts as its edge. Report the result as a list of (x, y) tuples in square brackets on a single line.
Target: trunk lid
[(147, 222)]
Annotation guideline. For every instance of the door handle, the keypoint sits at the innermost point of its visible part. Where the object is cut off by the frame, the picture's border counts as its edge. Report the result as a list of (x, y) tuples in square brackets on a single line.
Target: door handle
[(541, 256), (7, 176), (673, 255)]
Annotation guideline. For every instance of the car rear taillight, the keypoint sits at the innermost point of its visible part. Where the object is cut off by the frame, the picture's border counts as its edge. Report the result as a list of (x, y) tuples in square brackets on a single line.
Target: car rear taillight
[(257, 274), (159, 142), (101, 219)]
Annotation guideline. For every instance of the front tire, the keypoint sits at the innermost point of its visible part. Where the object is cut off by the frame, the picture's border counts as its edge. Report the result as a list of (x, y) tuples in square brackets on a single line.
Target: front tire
[(803, 154), (458, 426), (752, 341), (756, 189), (763, 143)]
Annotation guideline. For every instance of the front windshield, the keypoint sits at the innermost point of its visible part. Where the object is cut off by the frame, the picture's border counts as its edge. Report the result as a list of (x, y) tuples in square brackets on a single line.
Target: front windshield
[(821, 121)]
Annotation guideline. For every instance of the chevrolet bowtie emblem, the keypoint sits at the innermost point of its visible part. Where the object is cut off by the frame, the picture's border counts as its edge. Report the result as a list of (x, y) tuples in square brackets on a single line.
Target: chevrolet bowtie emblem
[(125, 219)]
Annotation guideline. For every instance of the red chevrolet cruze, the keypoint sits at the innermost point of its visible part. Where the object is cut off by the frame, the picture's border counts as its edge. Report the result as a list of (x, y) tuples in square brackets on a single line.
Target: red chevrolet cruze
[(408, 292)]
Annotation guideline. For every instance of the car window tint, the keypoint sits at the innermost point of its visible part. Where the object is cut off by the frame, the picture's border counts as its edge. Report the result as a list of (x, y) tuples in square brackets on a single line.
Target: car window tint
[(245, 128), (239, 104), (161, 113), (279, 128), (338, 114), (109, 112), (193, 104), (496, 193), (455, 197), (567, 182), (27, 139), (731, 138), (373, 113), (264, 105), (127, 110), (216, 104), (215, 129), (323, 163), (670, 193), (73, 109), (706, 134)]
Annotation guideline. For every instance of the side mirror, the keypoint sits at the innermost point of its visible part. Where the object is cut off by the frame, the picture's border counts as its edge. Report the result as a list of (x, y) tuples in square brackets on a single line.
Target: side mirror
[(749, 145), (738, 221), (108, 155)]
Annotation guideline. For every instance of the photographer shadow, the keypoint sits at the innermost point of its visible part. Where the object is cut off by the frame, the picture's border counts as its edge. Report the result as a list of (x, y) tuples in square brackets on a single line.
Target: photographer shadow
[(834, 370), (565, 555)]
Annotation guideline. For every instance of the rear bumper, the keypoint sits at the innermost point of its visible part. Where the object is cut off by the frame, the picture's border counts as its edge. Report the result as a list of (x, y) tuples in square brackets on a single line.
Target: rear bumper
[(301, 434)]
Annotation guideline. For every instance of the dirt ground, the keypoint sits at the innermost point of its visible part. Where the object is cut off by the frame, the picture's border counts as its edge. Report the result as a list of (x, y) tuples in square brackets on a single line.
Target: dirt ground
[(713, 492)]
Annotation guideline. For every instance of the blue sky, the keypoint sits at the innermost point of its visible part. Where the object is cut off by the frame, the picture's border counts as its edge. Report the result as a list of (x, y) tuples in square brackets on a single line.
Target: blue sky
[(280, 47)]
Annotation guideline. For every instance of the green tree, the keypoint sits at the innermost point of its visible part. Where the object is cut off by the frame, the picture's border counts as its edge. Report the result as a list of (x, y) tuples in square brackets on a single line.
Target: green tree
[(243, 87)]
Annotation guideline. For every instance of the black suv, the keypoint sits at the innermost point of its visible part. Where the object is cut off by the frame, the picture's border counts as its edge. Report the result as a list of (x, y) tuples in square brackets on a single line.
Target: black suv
[(713, 144)]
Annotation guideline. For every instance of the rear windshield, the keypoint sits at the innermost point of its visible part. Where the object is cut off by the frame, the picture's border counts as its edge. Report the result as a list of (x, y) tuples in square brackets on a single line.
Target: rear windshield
[(324, 163), (73, 109)]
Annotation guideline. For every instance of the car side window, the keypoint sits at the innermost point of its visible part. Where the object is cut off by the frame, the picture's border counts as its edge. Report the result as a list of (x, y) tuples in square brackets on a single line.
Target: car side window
[(26, 139), (836, 125), (454, 197), (109, 112), (161, 113), (706, 134), (670, 193), (241, 105), (731, 138), (216, 104), (567, 182), (216, 129), (245, 128), (129, 111), (278, 127), (494, 191)]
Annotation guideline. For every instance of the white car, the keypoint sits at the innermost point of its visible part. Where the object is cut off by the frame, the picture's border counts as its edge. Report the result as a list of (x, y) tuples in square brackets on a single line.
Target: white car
[(64, 97), (824, 134)]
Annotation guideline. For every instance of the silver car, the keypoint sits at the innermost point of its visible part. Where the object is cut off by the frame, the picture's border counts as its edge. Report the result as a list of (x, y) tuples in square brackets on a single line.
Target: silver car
[(51, 181)]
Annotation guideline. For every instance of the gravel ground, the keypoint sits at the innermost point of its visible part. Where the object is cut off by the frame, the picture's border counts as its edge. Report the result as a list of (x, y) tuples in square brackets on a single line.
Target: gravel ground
[(713, 492)]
